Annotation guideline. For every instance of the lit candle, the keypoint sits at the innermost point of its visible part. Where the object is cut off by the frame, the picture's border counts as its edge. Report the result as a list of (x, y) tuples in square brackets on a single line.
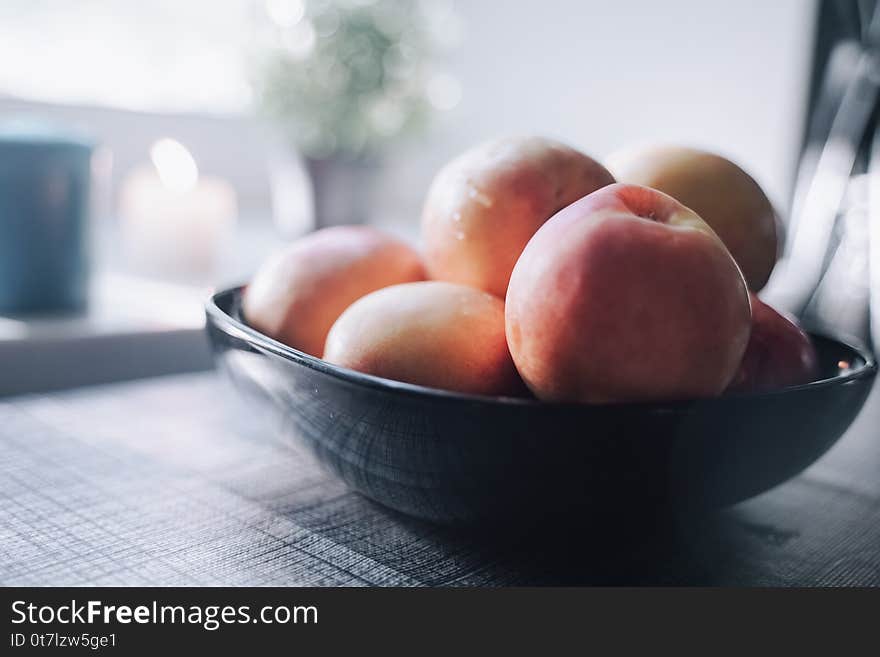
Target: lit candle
[(173, 221)]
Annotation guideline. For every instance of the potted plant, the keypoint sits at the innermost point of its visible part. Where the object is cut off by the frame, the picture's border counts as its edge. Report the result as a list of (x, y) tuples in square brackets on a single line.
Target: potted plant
[(344, 79)]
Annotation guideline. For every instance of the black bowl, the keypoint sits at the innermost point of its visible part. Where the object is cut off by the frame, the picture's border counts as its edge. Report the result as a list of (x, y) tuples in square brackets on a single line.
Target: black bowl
[(455, 458)]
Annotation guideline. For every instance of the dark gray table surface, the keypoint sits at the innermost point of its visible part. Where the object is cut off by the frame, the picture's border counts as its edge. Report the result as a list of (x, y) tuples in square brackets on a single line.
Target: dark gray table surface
[(170, 482)]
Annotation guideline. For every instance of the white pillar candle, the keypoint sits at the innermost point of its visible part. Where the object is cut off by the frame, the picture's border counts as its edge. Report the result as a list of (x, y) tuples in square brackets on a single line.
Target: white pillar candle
[(172, 221)]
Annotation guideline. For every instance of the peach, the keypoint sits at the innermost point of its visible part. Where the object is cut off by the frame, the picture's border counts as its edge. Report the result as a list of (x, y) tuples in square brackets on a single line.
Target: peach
[(485, 205), (724, 196), (435, 334), (779, 353), (626, 295), (297, 295)]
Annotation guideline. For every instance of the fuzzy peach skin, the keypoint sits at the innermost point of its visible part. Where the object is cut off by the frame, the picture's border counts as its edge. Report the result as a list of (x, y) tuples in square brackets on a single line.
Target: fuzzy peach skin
[(724, 196), (485, 205), (297, 295), (435, 334), (779, 353), (626, 295)]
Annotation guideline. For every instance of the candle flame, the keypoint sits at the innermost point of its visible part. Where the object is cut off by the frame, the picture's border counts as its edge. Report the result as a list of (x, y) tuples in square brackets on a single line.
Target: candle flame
[(175, 165), (285, 13)]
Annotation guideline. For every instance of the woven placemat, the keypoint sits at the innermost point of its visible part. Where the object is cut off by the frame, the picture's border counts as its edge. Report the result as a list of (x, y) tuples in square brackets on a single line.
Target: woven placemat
[(169, 481)]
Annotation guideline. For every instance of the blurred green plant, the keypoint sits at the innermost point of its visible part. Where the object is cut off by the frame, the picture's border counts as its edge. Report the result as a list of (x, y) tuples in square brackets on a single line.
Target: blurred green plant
[(345, 77)]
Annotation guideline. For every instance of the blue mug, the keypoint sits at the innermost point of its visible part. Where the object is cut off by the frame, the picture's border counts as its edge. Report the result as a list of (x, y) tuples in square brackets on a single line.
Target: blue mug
[(45, 181)]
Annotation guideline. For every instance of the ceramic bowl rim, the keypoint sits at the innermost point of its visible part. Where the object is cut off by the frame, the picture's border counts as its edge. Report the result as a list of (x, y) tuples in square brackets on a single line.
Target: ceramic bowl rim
[(233, 326)]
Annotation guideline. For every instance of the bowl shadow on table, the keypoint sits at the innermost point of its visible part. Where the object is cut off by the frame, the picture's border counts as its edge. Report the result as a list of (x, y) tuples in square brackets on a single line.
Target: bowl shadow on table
[(704, 549)]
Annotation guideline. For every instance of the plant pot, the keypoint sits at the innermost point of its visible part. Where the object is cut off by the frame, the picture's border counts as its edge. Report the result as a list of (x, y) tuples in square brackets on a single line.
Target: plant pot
[(342, 189)]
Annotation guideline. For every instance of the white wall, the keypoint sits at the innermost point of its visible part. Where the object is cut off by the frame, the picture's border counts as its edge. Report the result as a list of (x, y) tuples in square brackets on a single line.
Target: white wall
[(729, 76)]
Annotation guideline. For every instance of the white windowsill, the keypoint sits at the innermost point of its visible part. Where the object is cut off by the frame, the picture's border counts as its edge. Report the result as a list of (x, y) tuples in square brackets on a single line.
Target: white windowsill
[(133, 328)]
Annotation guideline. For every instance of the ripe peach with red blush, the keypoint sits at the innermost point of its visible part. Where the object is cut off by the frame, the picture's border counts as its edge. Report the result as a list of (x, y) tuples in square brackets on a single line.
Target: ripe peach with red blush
[(485, 205), (432, 333), (779, 353), (297, 295), (626, 295)]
